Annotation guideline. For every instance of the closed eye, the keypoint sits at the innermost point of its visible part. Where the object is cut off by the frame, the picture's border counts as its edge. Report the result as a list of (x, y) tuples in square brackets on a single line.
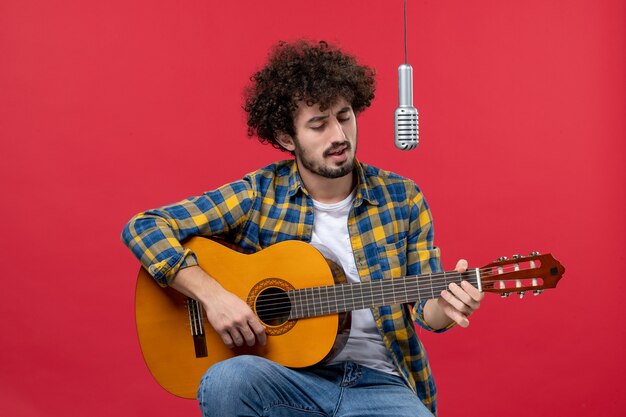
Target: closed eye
[(344, 114)]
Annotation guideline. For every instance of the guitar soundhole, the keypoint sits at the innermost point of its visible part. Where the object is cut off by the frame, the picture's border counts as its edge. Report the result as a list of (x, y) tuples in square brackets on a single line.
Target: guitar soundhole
[(273, 306)]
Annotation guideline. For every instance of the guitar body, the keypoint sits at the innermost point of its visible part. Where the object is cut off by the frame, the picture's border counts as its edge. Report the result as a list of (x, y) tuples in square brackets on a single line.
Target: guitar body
[(165, 330)]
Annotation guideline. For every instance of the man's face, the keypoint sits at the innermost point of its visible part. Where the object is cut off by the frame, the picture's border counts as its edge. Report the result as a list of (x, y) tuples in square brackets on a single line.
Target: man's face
[(326, 141)]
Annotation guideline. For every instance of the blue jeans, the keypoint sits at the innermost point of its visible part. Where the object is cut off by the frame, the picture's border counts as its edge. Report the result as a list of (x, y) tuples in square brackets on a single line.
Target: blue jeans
[(254, 386)]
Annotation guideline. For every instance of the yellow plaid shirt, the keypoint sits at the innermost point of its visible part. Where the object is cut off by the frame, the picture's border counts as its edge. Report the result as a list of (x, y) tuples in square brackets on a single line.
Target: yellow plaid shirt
[(390, 227)]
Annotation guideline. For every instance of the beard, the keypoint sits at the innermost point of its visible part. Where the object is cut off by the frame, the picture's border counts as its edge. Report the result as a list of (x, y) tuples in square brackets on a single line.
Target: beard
[(324, 170)]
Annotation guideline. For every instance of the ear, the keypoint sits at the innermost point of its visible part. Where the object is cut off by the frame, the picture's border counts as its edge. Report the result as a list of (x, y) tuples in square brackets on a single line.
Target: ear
[(285, 141)]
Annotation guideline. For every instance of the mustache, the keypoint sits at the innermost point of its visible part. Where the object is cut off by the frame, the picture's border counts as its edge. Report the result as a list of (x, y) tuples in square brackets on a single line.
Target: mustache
[(339, 145)]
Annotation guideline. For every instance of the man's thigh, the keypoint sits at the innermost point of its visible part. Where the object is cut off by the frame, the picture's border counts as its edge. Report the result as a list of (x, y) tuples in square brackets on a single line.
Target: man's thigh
[(378, 394), (250, 385)]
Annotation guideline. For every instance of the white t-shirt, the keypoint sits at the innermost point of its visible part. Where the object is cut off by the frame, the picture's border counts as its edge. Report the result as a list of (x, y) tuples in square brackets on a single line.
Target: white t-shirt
[(365, 345)]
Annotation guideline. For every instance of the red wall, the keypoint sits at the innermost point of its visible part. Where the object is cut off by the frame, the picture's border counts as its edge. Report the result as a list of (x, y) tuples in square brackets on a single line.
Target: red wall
[(111, 107)]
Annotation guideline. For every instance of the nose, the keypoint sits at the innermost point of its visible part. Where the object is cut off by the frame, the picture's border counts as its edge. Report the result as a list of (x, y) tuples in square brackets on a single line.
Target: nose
[(336, 130)]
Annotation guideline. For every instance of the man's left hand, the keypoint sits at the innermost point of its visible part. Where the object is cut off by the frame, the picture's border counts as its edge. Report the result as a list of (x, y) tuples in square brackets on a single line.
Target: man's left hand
[(458, 302)]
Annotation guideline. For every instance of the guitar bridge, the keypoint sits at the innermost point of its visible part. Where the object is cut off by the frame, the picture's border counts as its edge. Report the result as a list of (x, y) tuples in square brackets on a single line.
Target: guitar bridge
[(194, 310)]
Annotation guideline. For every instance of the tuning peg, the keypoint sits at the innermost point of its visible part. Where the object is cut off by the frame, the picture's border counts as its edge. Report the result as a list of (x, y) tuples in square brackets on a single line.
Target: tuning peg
[(505, 294), (500, 271), (534, 280), (518, 283)]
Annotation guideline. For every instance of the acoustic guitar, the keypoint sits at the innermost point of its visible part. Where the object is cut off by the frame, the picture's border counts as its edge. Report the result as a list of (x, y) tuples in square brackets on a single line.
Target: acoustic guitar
[(303, 300)]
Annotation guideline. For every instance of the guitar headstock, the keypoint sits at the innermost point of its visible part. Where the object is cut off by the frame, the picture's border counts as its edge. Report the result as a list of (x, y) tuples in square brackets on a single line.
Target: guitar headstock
[(521, 274)]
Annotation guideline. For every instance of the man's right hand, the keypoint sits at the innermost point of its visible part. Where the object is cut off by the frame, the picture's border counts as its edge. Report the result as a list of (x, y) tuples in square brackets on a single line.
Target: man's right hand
[(229, 315)]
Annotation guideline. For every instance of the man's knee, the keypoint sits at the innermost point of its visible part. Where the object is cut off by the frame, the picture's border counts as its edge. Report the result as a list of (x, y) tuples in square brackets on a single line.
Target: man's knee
[(234, 377)]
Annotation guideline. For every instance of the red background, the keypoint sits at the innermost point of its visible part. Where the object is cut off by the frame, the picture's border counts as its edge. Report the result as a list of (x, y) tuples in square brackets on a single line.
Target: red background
[(108, 108)]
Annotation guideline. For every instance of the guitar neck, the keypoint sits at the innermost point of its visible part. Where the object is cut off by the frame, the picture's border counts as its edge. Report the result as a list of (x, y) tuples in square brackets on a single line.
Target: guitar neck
[(333, 299)]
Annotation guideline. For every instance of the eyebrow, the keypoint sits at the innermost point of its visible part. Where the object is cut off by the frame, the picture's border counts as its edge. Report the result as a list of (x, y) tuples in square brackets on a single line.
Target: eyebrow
[(324, 117)]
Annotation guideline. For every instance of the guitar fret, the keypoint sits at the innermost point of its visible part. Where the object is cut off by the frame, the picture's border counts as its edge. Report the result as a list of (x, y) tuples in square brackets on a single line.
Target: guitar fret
[(403, 295), (332, 299), (332, 295), (340, 301), (416, 291), (314, 302), (404, 284), (383, 293), (372, 293), (306, 295), (323, 301), (348, 301), (294, 305), (293, 312), (300, 304), (418, 288), (366, 290), (431, 287), (362, 288), (396, 296)]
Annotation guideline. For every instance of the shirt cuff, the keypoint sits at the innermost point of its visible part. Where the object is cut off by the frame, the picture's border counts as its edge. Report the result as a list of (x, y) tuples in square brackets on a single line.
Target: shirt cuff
[(164, 272), (418, 317)]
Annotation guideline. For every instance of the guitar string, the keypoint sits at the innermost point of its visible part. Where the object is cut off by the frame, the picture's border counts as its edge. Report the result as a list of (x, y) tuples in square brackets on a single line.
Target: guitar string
[(325, 307), (373, 289), (440, 277), (383, 290)]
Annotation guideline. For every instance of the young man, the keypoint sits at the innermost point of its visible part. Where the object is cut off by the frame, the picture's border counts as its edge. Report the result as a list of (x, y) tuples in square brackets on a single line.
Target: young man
[(378, 225)]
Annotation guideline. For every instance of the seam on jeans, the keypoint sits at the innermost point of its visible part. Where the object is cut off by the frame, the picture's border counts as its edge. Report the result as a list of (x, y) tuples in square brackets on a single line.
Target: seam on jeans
[(268, 409), (336, 410), (200, 392)]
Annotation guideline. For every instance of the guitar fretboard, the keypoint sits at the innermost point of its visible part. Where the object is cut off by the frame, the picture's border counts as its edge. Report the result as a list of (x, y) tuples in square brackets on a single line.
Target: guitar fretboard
[(333, 299)]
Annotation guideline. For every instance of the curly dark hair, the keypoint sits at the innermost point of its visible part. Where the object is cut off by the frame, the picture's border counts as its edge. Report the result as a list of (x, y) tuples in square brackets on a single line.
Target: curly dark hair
[(316, 73)]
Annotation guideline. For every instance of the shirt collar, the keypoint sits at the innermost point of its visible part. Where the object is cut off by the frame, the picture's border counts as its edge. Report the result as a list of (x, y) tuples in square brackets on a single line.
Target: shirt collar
[(363, 190)]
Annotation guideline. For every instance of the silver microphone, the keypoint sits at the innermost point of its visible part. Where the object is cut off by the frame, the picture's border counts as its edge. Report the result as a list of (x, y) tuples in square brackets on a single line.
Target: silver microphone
[(406, 124)]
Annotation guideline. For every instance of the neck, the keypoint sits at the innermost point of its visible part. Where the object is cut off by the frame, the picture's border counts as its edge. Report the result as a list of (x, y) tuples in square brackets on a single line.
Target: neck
[(318, 301), (327, 190)]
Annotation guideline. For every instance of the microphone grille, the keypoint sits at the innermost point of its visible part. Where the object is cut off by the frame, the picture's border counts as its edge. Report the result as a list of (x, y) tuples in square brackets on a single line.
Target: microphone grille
[(406, 126)]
